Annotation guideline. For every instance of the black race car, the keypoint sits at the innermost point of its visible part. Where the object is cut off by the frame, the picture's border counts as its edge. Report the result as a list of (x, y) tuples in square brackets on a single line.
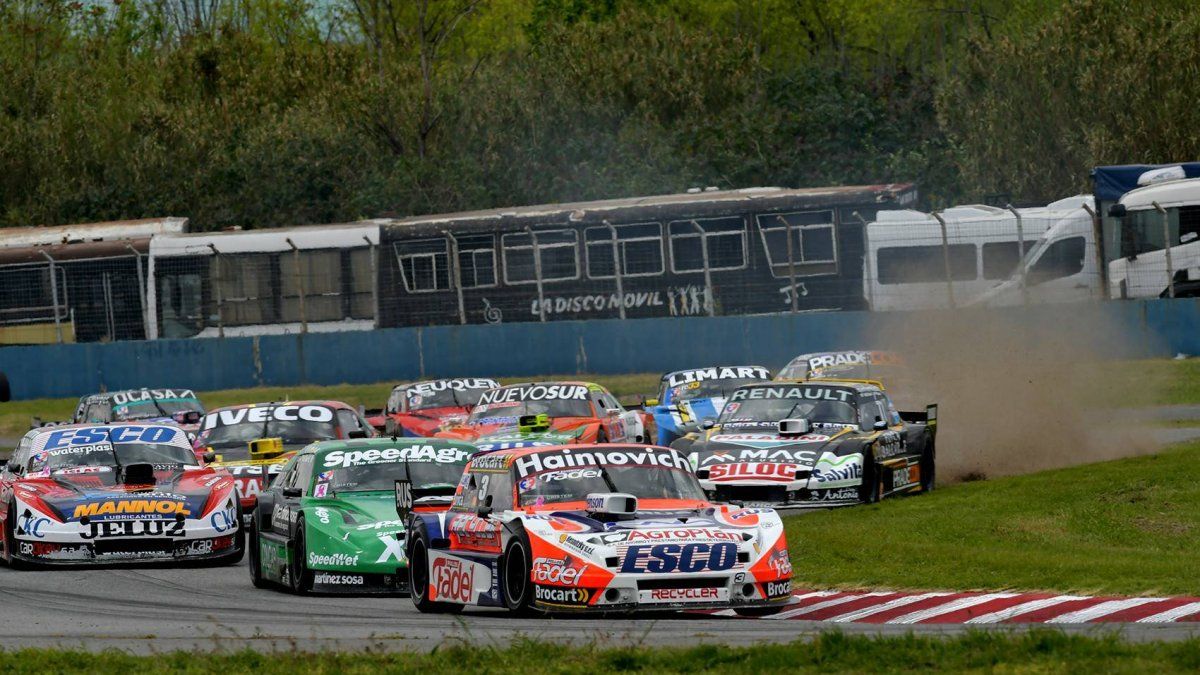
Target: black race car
[(814, 443)]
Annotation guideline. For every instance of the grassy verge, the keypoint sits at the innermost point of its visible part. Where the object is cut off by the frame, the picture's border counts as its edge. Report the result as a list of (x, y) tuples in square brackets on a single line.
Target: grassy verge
[(15, 416), (1129, 526), (1038, 651)]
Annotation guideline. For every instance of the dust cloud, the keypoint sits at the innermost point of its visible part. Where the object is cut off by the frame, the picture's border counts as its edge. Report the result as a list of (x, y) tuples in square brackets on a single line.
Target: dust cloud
[(1019, 392)]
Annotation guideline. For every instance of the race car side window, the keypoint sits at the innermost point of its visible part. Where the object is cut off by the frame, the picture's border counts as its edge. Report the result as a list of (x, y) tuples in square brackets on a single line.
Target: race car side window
[(501, 490), (303, 474), (871, 409), (348, 421), (287, 474)]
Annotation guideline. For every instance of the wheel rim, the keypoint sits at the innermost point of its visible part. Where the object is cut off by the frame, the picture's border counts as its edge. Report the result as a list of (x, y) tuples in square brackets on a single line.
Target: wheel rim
[(418, 577), (514, 575)]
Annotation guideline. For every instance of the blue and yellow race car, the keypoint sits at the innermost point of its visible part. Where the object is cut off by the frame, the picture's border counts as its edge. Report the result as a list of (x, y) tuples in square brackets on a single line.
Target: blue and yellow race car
[(688, 397)]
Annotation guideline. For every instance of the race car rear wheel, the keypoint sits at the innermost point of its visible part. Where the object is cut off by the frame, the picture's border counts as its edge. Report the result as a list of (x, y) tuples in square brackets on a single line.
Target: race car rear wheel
[(517, 566), (928, 466), (871, 489), (300, 576), (255, 556), (418, 574)]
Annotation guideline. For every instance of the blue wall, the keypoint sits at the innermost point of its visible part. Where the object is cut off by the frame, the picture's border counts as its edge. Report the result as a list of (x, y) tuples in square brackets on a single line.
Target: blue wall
[(1107, 330)]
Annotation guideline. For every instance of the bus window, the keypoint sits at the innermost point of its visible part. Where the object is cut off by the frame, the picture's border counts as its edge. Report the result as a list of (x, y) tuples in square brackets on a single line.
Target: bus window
[(1000, 258), (925, 264)]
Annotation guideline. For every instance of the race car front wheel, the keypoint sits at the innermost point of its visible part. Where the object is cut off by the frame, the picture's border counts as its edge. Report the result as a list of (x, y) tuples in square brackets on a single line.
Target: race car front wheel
[(758, 611), (418, 575), (301, 577), (928, 466), (871, 489), (517, 565), (255, 556), (10, 540)]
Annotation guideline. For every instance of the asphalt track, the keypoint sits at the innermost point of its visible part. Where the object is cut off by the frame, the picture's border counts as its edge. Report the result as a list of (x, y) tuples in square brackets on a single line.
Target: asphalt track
[(160, 610)]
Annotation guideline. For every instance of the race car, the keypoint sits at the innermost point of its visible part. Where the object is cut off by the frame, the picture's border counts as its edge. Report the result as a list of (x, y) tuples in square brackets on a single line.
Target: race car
[(123, 493), (888, 368), (814, 443), (156, 406), (329, 523), (550, 413), (253, 441), (592, 528), (688, 397), (423, 408)]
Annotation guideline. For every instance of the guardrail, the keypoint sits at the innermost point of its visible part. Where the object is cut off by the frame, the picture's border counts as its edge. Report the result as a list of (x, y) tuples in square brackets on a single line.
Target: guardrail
[(1136, 329)]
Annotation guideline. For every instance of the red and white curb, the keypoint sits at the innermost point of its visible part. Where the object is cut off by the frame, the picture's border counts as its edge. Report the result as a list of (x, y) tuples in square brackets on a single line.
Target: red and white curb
[(981, 608)]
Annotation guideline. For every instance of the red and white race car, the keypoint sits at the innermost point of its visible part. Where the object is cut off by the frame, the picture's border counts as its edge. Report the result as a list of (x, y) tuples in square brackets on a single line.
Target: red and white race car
[(592, 528), (424, 408)]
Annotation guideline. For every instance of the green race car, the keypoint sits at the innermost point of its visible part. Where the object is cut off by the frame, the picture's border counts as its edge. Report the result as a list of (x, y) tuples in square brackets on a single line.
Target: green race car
[(328, 523)]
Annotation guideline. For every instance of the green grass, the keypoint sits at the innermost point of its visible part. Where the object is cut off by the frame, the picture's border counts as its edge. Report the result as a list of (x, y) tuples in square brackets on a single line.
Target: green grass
[(1037, 652), (1130, 526), (15, 415)]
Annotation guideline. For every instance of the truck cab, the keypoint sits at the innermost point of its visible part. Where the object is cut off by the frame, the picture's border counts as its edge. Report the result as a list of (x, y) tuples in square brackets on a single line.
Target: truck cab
[(1156, 222)]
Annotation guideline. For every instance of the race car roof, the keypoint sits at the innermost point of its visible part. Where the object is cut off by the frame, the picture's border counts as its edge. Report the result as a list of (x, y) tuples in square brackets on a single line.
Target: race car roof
[(667, 376), (857, 385), (109, 395), (408, 448)]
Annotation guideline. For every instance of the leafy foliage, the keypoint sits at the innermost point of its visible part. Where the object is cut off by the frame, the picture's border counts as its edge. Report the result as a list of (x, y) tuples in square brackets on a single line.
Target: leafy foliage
[(281, 112)]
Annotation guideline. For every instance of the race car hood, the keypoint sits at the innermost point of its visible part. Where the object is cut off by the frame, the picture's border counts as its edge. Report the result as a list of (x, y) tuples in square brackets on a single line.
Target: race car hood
[(684, 416), (357, 532), (424, 423), (562, 431), (69, 497), (762, 444)]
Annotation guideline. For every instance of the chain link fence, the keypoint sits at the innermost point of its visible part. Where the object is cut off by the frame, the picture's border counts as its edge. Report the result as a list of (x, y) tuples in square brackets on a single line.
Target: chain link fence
[(396, 273)]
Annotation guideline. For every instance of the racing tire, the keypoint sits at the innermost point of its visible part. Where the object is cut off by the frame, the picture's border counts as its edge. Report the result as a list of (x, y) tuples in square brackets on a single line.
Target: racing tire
[(517, 568), (255, 556), (300, 577), (10, 541), (871, 490), (601, 437), (239, 542), (418, 575), (754, 612), (928, 466)]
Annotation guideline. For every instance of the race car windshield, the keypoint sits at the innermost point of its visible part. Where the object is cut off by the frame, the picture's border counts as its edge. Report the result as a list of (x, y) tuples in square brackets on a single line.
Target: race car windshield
[(708, 389), (103, 454), (163, 407), (447, 398), (574, 485), (496, 413), (760, 411), (371, 477), (293, 432)]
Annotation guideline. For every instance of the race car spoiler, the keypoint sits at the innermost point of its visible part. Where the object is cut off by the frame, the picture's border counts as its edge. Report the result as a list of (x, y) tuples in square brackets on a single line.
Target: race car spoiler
[(927, 417)]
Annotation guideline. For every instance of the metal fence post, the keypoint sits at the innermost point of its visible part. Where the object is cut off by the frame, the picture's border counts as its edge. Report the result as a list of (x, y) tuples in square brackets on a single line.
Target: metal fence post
[(709, 298), (1020, 254), (299, 284), (868, 274), (787, 233), (537, 272), (374, 279), (946, 260), (1097, 232), (54, 297), (1166, 223), (217, 284), (452, 241), (616, 253), (142, 281)]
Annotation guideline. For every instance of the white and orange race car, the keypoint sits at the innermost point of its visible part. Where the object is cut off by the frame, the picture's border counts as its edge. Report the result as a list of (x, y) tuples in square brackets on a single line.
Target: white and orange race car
[(592, 528)]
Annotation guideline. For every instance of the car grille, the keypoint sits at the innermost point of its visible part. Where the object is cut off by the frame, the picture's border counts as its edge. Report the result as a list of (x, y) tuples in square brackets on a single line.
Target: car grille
[(682, 582), (148, 546)]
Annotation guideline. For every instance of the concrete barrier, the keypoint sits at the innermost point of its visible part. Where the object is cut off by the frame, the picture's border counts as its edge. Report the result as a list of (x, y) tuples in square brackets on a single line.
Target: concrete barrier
[(1131, 329)]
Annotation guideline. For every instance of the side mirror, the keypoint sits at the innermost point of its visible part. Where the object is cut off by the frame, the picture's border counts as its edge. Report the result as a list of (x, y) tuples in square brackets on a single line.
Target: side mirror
[(879, 425), (1117, 211), (485, 509), (404, 498), (292, 492), (612, 412), (266, 448), (357, 433), (209, 457), (707, 424)]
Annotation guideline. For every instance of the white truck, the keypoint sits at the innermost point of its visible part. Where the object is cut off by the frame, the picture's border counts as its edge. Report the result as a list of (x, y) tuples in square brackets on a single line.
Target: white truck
[(1159, 240)]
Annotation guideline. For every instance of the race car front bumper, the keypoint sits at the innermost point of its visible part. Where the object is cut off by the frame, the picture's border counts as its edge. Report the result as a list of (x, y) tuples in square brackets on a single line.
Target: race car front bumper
[(667, 592), (126, 551)]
